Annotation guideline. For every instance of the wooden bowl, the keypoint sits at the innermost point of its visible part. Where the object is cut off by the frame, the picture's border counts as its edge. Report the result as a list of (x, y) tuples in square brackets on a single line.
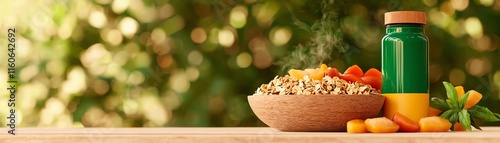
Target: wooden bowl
[(304, 113)]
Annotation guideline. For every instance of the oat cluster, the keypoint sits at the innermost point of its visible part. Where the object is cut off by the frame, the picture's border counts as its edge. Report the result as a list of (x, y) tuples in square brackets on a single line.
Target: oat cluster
[(288, 85)]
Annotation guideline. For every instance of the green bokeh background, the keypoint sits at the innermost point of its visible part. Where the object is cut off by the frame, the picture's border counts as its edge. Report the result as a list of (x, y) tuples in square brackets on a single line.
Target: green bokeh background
[(133, 63)]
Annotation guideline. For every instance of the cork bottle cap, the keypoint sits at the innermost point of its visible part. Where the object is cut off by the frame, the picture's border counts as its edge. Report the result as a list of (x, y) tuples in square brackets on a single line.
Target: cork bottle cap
[(415, 17)]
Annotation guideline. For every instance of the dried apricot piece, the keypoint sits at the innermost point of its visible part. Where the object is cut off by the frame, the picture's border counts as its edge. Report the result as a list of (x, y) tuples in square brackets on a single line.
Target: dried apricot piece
[(434, 124), (460, 91), (373, 72), (309, 70), (474, 98), (332, 72), (458, 127), (405, 123), (324, 67), (375, 82), (434, 111), (356, 126), (317, 74), (351, 78), (381, 125), (355, 70), (298, 74)]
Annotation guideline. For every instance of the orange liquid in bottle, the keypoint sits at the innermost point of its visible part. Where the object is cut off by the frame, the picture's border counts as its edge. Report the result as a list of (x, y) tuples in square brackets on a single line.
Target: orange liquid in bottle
[(415, 110)]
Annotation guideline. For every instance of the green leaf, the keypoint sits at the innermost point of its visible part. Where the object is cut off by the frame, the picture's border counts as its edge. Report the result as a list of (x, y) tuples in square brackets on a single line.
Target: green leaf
[(451, 93), (497, 115), (448, 113), (483, 113), (448, 102), (463, 100), (439, 104), (474, 124), (453, 119), (464, 119)]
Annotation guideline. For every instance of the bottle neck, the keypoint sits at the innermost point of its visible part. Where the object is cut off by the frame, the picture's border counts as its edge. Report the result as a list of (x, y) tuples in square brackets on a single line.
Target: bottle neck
[(404, 28)]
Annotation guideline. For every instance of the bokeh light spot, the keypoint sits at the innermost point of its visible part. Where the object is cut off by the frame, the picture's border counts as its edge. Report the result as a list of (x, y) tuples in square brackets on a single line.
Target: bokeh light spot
[(280, 36), (265, 14), (130, 107), (244, 60), (53, 109), (226, 37), (97, 19), (193, 73), (119, 6), (179, 82), (198, 35), (135, 78), (460, 5), (128, 26), (114, 37), (100, 86), (447, 8), (165, 61), (158, 35), (142, 60), (94, 55), (195, 57), (478, 66), (262, 60), (165, 11), (214, 36), (153, 110), (474, 27), (486, 3), (28, 72), (238, 16), (76, 82), (483, 44)]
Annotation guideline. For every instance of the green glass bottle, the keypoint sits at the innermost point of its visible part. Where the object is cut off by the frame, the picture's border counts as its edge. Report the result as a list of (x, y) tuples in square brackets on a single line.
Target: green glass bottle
[(405, 65)]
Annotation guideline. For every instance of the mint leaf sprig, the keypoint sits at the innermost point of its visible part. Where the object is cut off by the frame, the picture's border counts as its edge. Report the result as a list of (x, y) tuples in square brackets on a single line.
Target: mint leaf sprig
[(453, 109)]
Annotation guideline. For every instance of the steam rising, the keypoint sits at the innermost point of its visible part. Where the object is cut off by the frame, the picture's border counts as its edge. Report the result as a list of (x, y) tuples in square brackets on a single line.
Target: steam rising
[(325, 45)]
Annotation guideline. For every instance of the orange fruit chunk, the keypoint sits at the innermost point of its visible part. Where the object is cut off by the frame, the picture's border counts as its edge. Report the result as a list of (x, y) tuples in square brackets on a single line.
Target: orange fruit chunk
[(355, 70), (332, 72), (351, 78), (381, 125), (323, 67), (356, 126), (317, 74), (405, 123), (375, 82), (373, 72), (309, 70), (460, 91), (474, 98), (458, 127), (434, 112), (434, 124), (298, 74)]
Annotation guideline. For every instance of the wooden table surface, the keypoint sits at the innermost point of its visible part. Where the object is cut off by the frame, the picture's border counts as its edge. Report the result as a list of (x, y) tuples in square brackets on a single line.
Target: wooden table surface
[(234, 135)]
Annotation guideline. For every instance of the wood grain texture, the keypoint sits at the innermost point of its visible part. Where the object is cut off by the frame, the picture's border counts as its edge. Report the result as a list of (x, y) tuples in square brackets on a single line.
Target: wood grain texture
[(233, 135), (329, 113)]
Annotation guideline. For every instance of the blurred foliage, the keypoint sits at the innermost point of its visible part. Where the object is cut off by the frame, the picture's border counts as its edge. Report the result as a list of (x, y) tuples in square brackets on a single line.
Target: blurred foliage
[(121, 63)]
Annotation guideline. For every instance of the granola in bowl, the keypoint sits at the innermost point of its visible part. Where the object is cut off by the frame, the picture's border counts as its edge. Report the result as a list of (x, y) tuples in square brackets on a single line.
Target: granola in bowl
[(288, 85), (329, 83)]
